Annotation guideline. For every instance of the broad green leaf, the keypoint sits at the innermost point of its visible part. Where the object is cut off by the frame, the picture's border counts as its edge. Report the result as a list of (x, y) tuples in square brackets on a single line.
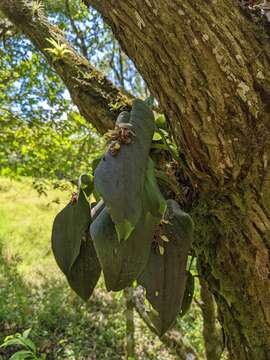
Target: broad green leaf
[(69, 227), (122, 262), (164, 277), (85, 272), (182, 224), (188, 295), (119, 179)]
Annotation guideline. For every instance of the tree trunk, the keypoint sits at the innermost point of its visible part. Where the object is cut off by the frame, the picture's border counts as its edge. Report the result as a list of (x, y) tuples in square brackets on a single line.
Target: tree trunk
[(234, 259), (208, 65)]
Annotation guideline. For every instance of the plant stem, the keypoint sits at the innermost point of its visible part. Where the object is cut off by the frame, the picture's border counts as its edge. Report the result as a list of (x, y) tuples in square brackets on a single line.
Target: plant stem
[(130, 327)]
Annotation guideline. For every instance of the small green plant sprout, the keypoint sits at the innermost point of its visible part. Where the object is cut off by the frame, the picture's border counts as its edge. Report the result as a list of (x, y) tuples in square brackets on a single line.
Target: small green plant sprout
[(58, 50), (29, 350), (37, 7)]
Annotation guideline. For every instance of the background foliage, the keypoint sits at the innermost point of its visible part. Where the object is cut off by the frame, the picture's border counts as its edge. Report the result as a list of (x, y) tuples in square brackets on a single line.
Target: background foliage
[(42, 134)]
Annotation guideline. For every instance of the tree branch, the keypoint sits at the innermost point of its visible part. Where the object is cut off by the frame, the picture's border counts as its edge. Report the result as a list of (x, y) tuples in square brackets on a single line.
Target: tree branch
[(173, 57), (98, 100)]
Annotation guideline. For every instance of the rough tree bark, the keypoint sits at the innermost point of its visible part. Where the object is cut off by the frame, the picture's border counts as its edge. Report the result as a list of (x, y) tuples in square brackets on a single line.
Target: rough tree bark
[(208, 65), (200, 59)]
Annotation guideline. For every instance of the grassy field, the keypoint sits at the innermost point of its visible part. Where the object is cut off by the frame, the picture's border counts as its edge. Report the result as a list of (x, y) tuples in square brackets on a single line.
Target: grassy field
[(34, 293)]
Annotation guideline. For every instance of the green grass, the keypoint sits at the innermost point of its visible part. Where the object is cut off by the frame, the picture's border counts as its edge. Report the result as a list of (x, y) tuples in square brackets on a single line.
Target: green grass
[(25, 225), (34, 293)]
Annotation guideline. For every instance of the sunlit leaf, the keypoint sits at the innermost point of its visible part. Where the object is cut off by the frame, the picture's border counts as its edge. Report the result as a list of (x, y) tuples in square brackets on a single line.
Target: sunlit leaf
[(157, 136)]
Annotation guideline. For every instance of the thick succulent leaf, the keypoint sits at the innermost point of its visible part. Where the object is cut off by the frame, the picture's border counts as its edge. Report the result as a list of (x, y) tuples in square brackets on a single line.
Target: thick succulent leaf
[(188, 295), (86, 184), (121, 262), (182, 224), (155, 200), (69, 227), (85, 272), (123, 118), (164, 277), (120, 179)]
